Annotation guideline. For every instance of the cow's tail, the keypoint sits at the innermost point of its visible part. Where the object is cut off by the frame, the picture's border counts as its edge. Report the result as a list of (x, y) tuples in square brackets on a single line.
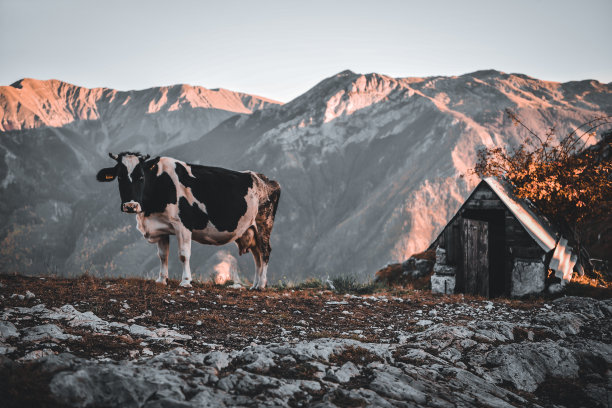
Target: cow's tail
[(273, 189), (274, 196)]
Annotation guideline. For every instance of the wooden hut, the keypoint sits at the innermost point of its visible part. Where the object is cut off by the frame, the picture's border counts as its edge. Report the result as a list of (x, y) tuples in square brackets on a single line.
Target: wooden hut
[(497, 245)]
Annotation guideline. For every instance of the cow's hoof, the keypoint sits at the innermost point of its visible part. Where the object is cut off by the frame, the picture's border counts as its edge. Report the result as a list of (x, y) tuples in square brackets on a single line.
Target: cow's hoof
[(185, 284), (160, 280)]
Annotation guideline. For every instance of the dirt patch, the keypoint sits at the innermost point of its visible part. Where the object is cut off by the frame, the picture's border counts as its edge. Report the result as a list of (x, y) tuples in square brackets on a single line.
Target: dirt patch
[(356, 355), (533, 334), (293, 370)]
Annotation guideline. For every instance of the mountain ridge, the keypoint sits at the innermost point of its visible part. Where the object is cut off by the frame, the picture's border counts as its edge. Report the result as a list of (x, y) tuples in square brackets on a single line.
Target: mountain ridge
[(425, 134), (371, 168), (31, 103)]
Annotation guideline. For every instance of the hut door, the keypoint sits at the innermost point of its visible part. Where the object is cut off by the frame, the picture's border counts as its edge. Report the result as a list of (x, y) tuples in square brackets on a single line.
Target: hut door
[(475, 239)]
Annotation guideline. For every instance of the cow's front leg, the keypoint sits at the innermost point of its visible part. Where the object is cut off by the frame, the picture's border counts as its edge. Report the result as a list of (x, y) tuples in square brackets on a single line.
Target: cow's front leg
[(184, 244), (163, 247)]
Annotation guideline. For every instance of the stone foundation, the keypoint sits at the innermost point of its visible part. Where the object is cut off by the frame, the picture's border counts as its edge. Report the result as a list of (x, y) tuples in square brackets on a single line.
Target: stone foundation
[(443, 279), (443, 284), (528, 277)]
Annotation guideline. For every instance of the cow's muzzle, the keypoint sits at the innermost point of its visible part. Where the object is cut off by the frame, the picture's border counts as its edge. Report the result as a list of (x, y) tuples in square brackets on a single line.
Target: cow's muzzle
[(131, 207)]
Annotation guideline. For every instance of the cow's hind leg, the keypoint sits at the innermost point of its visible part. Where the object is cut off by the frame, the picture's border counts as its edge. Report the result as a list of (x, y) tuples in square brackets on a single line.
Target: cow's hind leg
[(258, 268), (261, 254), (265, 222), (163, 247), (184, 243), (263, 250)]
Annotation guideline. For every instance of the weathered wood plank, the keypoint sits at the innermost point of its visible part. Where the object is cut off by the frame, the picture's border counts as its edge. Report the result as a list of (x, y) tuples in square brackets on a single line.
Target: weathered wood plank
[(483, 258), (533, 252), (484, 194), (484, 205), (475, 237)]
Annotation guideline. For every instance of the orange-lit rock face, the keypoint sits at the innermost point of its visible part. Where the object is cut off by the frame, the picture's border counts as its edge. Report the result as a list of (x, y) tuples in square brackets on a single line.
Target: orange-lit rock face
[(31, 103)]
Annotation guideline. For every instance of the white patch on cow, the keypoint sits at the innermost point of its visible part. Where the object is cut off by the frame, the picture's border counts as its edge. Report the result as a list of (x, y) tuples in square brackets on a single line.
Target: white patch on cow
[(130, 162), (154, 226), (188, 168), (168, 165)]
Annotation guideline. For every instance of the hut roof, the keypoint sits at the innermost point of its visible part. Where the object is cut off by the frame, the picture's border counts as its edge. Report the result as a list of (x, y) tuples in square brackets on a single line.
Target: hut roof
[(563, 259)]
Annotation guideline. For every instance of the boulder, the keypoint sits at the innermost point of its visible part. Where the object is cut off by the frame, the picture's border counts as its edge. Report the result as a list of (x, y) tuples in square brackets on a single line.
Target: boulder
[(46, 332), (7, 330)]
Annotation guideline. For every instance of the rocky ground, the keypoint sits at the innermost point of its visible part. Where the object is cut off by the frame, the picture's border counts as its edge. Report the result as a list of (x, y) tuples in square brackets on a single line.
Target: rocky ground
[(131, 343)]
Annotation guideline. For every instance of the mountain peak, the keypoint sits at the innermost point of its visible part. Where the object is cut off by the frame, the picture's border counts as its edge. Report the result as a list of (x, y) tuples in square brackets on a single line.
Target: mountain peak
[(485, 73), (18, 84), (345, 73)]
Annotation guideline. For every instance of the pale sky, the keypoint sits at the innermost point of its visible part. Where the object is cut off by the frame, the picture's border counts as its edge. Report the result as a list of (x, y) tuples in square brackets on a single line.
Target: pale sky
[(279, 49)]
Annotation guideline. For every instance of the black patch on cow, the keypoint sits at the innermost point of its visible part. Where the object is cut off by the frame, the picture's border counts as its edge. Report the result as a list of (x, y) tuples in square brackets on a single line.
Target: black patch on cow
[(222, 191), (159, 190), (192, 216)]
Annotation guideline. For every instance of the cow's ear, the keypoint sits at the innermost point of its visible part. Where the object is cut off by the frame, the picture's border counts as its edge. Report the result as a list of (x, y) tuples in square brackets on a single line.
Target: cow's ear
[(107, 174), (151, 164)]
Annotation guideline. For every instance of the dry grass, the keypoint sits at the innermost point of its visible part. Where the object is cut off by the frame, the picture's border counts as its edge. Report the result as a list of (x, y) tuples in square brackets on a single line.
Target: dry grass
[(394, 275), (356, 355), (230, 317)]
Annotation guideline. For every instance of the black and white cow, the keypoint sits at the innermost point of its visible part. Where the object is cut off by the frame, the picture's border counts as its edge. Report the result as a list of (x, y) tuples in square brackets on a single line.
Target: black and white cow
[(209, 205)]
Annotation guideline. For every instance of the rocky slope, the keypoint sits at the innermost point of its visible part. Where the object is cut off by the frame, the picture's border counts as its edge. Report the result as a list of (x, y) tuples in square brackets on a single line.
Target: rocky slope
[(371, 166), (134, 344)]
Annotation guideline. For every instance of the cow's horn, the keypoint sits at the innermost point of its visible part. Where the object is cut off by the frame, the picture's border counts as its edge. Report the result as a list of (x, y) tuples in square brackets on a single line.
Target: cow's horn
[(146, 157), (113, 156)]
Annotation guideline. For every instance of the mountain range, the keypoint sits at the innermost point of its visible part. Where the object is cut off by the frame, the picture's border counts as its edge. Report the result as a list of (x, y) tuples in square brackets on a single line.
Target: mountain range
[(371, 166)]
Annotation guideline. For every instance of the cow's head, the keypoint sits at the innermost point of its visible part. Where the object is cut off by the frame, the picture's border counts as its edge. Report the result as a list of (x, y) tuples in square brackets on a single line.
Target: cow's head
[(130, 172)]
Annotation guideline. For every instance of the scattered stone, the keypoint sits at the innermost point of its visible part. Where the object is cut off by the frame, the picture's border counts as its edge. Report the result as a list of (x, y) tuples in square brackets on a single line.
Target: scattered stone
[(6, 349), (344, 373), (36, 354), (141, 331), (7, 330), (46, 332), (466, 353)]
